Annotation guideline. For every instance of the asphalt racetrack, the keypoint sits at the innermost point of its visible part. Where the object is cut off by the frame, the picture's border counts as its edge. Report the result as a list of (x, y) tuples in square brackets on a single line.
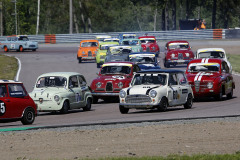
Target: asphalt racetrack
[(63, 57)]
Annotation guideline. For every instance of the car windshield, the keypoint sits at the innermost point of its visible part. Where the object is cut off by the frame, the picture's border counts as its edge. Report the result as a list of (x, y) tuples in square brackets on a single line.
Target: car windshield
[(130, 42), (51, 81), (214, 54), (116, 70), (129, 36), (147, 41), (89, 44), (140, 59), (23, 38), (120, 50), (206, 67), (149, 79), (105, 47), (178, 46)]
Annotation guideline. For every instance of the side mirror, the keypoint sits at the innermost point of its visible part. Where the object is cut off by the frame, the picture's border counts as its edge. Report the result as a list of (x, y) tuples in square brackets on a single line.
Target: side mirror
[(228, 57), (224, 71), (166, 48), (96, 73), (71, 86)]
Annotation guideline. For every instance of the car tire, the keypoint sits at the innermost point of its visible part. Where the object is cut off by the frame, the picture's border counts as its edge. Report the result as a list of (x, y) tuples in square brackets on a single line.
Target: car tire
[(88, 105), (189, 102), (65, 108), (79, 59), (95, 100), (230, 95), (166, 64), (163, 105), (123, 110), (5, 49), (219, 96), (28, 116), (98, 65)]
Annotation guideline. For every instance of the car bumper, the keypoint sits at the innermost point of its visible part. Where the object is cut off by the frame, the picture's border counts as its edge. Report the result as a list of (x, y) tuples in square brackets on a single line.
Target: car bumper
[(105, 94), (88, 58), (138, 105), (48, 106), (178, 61)]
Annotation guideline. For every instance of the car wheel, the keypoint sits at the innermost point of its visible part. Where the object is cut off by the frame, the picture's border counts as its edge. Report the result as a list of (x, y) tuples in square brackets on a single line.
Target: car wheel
[(98, 65), (28, 116), (219, 96), (163, 105), (21, 49), (95, 100), (5, 49), (88, 105), (230, 95), (65, 108), (79, 59), (123, 110), (189, 102), (166, 65)]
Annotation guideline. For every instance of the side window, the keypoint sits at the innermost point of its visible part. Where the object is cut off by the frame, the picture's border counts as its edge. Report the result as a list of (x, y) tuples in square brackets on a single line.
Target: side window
[(16, 90), (225, 67), (172, 79), (82, 81), (181, 79), (73, 82), (3, 91)]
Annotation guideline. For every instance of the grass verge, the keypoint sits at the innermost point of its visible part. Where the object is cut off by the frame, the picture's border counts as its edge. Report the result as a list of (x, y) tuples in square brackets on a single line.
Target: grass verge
[(234, 59), (183, 157), (8, 67)]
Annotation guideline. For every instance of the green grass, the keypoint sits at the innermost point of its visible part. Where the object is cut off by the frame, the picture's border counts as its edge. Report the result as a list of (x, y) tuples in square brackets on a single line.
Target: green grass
[(234, 59), (8, 67), (181, 157)]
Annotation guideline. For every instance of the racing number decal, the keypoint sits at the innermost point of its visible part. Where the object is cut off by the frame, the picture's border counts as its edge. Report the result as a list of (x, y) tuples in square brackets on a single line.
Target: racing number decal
[(2, 108), (175, 95), (12, 46)]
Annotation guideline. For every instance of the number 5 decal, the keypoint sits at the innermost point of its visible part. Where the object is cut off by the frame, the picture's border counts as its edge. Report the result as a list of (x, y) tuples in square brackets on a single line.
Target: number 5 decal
[(2, 109)]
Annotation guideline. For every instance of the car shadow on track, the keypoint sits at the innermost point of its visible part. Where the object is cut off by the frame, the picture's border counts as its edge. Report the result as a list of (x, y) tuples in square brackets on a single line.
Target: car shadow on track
[(211, 99), (59, 113), (171, 109)]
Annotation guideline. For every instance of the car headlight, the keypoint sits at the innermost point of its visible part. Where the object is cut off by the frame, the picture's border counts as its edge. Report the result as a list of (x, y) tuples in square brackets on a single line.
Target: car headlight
[(173, 55), (122, 94), (209, 85), (120, 84), (83, 52), (153, 93), (56, 98), (187, 54), (98, 84)]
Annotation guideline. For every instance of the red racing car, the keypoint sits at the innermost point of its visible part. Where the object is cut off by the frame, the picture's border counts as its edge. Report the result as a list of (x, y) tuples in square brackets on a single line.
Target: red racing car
[(177, 52), (149, 44), (210, 77)]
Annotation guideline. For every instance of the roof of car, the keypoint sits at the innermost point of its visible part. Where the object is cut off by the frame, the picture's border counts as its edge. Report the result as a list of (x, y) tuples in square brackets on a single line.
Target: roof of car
[(207, 60), (147, 37), (59, 74), (8, 81), (210, 49), (123, 62), (142, 53), (89, 40), (161, 71), (178, 41)]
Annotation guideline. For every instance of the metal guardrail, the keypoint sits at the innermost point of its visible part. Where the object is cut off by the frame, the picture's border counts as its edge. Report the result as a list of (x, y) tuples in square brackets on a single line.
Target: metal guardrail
[(160, 35)]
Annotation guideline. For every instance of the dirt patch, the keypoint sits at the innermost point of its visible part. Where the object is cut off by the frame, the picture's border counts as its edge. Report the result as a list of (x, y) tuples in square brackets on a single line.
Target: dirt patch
[(152, 140)]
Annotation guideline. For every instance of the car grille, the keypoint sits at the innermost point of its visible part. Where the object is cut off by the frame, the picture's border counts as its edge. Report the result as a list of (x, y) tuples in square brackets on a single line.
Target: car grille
[(32, 45), (180, 56), (148, 49), (89, 53), (138, 99), (109, 87), (197, 85)]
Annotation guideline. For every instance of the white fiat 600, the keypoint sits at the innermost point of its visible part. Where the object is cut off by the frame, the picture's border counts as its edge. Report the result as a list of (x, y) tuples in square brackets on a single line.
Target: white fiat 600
[(156, 89)]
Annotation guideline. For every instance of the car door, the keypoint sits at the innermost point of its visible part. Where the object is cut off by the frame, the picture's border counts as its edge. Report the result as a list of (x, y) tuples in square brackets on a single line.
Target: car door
[(173, 89), (4, 113), (75, 92), (183, 87), (84, 89), (227, 76), (15, 101)]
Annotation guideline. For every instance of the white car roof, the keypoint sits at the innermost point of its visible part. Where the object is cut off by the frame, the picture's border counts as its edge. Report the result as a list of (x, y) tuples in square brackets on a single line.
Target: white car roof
[(210, 49), (64, 74), (9, 81)]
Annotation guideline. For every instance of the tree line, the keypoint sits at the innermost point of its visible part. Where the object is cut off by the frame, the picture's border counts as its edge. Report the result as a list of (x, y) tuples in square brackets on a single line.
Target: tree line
[(113, 15)]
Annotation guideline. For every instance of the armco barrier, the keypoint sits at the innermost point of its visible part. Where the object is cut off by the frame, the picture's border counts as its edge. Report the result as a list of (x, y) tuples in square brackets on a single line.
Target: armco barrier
[(160, 35)]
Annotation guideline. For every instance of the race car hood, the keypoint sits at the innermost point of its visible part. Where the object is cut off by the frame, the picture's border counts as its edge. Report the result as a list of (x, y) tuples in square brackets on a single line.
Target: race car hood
[(110, 78), (46, 93), (141, 89), (202, 76), (147, 66)]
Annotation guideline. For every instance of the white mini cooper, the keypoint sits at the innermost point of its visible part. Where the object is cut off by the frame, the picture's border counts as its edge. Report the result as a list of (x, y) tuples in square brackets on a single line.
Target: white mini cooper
[(156, 89)]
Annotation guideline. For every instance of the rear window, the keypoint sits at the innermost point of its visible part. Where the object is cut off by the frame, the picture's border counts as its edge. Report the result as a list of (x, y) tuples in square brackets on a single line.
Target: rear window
[(16, 90)]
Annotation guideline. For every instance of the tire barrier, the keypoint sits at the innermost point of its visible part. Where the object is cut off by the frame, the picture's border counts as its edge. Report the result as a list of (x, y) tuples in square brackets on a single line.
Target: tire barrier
[(160, 35)]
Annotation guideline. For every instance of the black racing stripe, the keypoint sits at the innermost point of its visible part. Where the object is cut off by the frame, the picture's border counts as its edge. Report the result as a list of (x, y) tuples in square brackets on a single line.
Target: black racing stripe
[(128, 90), (150, 90)]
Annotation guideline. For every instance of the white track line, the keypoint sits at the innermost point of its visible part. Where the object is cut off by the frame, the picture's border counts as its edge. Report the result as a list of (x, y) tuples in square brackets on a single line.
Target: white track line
[(19, 67)]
